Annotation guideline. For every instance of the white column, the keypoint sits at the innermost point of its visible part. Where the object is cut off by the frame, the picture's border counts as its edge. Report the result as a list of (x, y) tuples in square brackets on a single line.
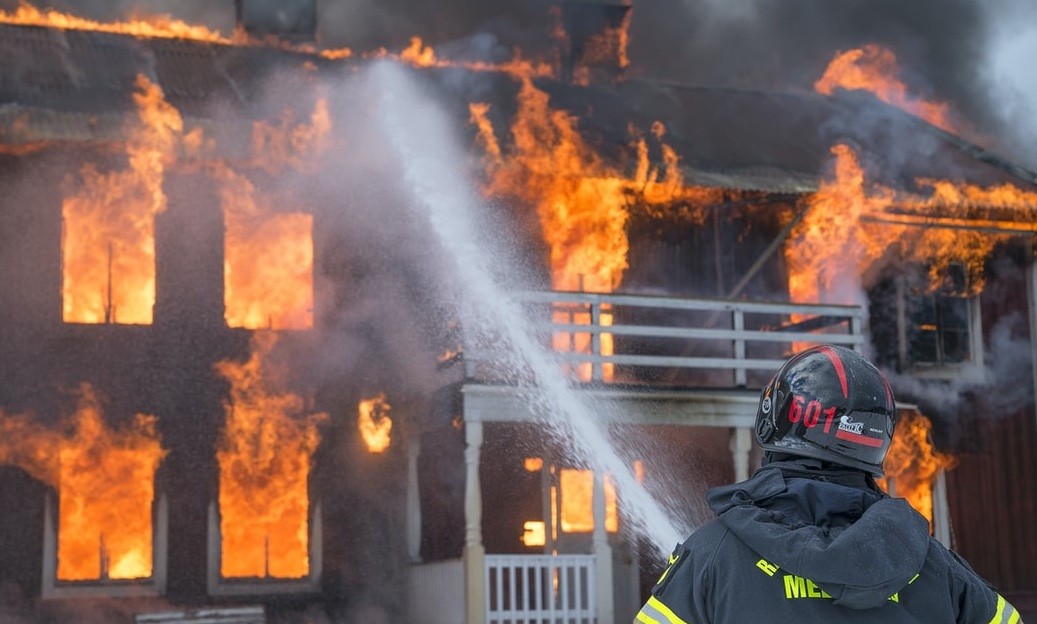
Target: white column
[(602, 555), (413, 499), (941, 512), (741, 445), (474, 551)]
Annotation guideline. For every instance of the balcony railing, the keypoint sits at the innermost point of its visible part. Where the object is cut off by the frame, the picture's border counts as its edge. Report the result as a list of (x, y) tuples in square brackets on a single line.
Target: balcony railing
[(612, 338), (545, 589)]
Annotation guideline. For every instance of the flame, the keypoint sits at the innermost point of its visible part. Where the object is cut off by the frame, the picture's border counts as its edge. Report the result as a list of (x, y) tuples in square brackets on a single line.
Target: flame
[(105, 480), (533, 464), (108, 242), (264, 458), (534, 533), (157, 26), (576, 489), (912, 463), (285, 144), (849, 226), (874, 68), (268, 262), (419, 54), (583, 203), (268, 259), (374, 423)]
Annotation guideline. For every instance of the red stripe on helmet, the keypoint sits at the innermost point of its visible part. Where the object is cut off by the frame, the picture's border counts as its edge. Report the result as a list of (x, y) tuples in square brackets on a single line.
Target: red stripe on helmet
[(838, 364), (858, 438)]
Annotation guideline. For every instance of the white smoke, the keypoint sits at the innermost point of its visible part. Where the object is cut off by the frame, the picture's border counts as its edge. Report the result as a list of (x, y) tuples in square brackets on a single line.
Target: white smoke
[(1012, 46)]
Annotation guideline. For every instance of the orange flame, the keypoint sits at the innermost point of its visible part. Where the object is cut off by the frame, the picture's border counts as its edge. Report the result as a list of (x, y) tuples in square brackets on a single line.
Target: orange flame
[(106, 481), (576, 491), (912, 463), (268, 264), (583, 203), (419, 54), (374, 423), (874, 68), (264, 458), (849, 226), (108, 241), (156, 26)]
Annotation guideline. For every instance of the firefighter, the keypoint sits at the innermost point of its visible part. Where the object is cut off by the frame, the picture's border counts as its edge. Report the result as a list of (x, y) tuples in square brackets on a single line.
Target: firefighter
[(810, 537)]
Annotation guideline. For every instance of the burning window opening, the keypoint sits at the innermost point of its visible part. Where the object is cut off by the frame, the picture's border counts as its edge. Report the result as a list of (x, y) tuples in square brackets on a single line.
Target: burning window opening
[(913, 463), (534, 533), (105, 481), (264, 457), (268, 259), (108, 225), (374, 423), (575, 492), (570, 497), (268, 252)]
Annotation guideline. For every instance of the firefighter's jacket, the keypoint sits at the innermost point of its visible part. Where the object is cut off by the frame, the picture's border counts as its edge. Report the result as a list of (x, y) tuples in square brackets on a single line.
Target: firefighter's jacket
[(795, 543)]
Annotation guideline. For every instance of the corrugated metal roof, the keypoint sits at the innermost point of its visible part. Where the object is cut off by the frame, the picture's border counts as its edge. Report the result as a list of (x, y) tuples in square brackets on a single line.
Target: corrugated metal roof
[(761, 179)]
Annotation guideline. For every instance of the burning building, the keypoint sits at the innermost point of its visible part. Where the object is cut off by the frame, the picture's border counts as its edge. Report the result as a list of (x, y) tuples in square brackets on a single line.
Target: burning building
[(196, 325)]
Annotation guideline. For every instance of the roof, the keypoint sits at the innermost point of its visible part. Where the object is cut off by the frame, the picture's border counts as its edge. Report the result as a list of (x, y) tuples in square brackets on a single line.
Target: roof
[(76, 85)]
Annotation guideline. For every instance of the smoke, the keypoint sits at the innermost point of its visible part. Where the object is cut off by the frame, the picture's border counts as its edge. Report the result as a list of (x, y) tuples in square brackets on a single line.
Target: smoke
[(1008, 74), (1001, 386)]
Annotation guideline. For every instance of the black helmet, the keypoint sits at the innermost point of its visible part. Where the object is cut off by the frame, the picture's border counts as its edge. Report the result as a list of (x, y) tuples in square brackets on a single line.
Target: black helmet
[(831, 404)]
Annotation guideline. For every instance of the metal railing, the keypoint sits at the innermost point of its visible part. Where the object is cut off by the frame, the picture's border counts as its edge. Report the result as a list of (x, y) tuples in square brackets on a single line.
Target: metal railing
[(540, 589), (633, 338)]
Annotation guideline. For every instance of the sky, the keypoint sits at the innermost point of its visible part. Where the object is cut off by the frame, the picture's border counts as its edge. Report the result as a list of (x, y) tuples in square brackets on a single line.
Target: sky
[(973, 54)]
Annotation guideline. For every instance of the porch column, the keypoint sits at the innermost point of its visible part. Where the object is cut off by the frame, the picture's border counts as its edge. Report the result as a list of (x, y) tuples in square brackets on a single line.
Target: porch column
[(413, 499), (741, 445), (474, 552), (602, 555), (1031, 289), (941, 512)]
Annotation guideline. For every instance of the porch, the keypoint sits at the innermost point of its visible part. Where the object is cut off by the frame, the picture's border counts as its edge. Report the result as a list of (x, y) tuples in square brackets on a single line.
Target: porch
[(652, 361)]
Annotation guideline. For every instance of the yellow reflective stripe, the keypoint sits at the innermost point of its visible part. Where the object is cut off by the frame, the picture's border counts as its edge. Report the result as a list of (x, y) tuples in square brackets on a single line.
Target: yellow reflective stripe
[(1006, 613), (655, 612), (659, 608), (1000, 611), (646, 619), (669, 566)]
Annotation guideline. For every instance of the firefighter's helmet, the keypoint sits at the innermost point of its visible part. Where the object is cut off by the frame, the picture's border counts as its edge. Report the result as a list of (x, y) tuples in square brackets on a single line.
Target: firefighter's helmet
[(828, 403)]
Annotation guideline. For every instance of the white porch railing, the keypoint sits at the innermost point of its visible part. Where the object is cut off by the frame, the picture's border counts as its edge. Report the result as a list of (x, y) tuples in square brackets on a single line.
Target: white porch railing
[(719, 341), (540, 589)]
